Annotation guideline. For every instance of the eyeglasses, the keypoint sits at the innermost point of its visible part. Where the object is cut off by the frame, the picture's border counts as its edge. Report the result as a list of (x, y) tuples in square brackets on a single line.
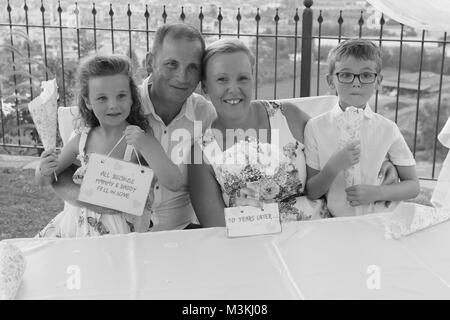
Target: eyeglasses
[(364, 78)]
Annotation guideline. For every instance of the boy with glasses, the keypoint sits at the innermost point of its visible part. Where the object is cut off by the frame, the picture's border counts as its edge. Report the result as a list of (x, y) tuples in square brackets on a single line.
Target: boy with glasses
[(355, 73)]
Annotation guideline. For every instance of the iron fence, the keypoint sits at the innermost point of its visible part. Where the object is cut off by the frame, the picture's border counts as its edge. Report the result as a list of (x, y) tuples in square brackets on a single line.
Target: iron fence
[(57, 30)]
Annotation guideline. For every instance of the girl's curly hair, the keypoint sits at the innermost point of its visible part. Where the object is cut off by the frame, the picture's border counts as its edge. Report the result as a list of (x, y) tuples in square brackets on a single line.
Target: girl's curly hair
[(98, 65)]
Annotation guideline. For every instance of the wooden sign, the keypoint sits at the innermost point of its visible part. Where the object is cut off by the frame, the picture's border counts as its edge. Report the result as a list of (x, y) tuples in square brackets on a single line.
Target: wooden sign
[(116, 184), (250, 221)]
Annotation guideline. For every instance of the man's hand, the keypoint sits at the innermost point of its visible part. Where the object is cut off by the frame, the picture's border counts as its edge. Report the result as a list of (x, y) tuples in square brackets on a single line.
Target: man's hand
[(388, 173), (136, 137), (362, 194), (346, 157)]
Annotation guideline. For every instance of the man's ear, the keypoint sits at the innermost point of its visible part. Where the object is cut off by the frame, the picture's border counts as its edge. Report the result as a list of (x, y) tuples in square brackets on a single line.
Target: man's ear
[(378, 83), (330, 81)]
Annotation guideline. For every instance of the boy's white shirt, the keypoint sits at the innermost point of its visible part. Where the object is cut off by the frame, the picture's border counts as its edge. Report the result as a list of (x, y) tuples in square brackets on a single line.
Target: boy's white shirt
[(379, 137), (173, 210)]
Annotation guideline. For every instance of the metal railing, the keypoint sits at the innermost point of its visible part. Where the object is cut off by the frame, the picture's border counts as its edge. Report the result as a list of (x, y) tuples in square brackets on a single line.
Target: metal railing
[(309, 35)]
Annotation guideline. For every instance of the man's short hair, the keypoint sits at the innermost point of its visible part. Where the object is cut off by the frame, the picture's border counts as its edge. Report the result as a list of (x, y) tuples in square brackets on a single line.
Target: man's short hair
[(227, 45), (176, 31), (358, 48)]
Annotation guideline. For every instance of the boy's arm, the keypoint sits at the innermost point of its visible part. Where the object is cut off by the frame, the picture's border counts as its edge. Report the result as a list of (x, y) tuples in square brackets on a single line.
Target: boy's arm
[(320, 181), (407, 188)]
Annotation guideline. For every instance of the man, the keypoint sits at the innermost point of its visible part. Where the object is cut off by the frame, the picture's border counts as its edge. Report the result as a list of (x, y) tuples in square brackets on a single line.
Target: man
[(171, 106), (177, 116)]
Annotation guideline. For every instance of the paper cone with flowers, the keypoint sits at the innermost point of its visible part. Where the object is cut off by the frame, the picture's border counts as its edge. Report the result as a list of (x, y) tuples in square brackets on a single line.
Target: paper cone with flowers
[(349, 127), (43, 110)]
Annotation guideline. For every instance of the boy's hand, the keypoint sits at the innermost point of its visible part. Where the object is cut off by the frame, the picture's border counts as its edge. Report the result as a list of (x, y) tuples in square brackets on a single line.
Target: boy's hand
[(346, 157), (136, 137), (361, 194), (49, 162)]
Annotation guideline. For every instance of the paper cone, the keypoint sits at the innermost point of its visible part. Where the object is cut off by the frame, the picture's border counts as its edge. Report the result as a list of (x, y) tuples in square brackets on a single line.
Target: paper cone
[(409, 218), (12, 267), (43, 110), (441, 193), (349, 126)]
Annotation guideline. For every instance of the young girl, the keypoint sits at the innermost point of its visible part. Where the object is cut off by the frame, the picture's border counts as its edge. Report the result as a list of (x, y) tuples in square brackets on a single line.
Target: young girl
[(110, 109)]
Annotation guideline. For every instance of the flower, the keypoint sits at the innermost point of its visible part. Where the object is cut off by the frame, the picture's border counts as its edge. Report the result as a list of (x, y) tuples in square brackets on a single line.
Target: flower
[(269, 189)]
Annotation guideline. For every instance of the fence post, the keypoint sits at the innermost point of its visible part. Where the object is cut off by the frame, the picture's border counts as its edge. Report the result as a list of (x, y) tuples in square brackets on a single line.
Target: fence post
[(305, 76)]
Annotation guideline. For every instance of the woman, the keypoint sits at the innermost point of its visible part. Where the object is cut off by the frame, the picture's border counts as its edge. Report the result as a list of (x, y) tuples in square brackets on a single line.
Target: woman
[(228, 81)]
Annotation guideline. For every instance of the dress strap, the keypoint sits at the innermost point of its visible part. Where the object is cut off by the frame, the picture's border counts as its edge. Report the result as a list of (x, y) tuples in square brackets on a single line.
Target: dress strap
[(83, 138), (278, 121)]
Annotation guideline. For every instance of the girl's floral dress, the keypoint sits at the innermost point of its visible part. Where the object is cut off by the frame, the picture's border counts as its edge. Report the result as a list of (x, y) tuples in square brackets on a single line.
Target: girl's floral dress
[(81, 222), (285, 187)]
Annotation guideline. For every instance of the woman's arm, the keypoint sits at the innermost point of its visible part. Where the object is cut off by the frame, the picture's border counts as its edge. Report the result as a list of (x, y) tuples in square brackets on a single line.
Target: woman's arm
[(206, 195), (296, 119)]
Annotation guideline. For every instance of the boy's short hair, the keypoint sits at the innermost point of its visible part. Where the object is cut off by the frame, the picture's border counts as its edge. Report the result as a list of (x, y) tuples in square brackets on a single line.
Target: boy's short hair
[(227, 45), (177, 30), (358, 48)]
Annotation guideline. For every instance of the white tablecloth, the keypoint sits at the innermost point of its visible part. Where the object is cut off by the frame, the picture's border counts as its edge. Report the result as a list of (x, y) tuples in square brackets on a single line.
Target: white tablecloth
[(326, 259)]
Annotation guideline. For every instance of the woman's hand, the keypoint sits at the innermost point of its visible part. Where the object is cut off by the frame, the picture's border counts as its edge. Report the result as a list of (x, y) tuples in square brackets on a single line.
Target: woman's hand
[(136, 137), (388, 173), (48, 163)]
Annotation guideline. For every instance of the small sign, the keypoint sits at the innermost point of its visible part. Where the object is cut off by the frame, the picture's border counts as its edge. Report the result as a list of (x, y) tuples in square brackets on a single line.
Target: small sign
[(116, 184), (250, 221)]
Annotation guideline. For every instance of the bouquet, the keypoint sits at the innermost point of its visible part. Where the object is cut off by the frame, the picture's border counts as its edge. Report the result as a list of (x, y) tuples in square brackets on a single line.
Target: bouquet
[(261, 167), (409, 218), (12, 268), (43, 110)]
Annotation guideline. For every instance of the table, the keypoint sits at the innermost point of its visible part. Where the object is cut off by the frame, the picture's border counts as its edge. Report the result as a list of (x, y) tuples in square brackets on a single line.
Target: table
[(326, 259)]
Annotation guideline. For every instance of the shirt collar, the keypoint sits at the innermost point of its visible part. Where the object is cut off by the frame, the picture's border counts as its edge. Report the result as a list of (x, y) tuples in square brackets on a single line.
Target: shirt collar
[(368, 113), (186, 110)]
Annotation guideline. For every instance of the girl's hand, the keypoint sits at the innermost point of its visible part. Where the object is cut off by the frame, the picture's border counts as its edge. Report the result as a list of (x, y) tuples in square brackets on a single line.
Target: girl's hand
[(49, 163), (136, 137), (361, 194), (346, 157)]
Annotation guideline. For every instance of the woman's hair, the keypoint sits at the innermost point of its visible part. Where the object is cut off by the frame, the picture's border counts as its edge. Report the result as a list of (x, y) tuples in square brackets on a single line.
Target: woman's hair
[(98, 65), (361, 49), (226, 45)]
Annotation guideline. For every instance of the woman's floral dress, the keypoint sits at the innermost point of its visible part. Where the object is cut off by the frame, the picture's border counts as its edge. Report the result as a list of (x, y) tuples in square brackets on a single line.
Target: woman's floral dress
[(82, 222), (286, 187)]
